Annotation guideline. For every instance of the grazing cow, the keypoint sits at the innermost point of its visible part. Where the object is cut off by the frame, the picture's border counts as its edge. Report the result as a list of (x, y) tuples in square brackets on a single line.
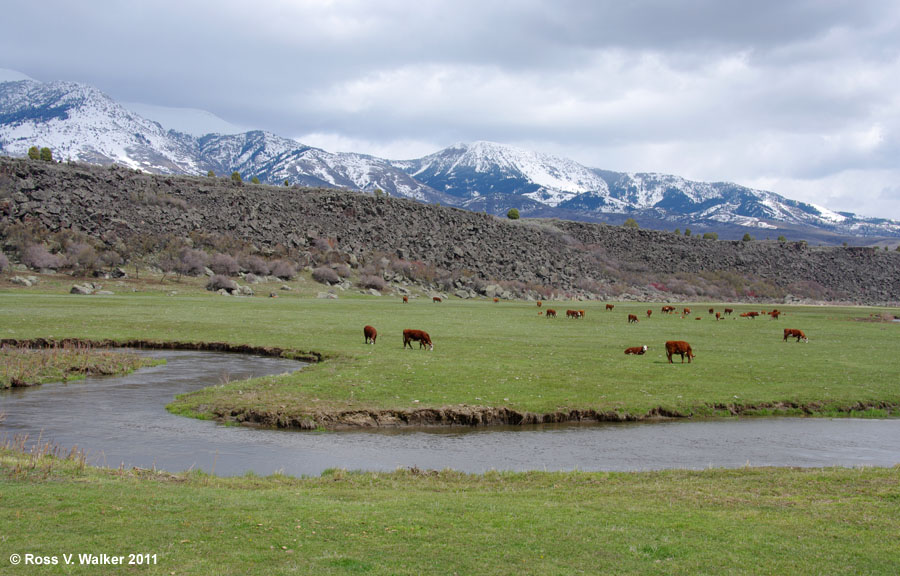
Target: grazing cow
[(410, 336), (750, 315), (775, 314), (551, 313), (687, 312), (794, 333), (406, 299), (668, 309), (496, 300), (539, 303), (699, 318), (370, 333), (712, 310), (436, 299), (581, 313), (540, 313), (638, 350), (571, 313), (632, 319), (610, 306), (718, 316), (679, 347), (728, 311), (649, 312)]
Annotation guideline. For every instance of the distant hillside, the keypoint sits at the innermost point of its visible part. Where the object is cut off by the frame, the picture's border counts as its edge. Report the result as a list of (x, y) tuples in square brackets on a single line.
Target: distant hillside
[(81, 123), (466, 250)]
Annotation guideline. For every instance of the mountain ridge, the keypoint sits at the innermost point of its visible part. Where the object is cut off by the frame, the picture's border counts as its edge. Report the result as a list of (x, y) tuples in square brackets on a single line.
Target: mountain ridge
[(79, 122)]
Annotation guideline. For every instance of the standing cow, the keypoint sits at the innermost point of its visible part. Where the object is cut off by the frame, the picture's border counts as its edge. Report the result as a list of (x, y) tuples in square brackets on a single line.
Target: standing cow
[(679, 347), (370, 333), (420, 336)]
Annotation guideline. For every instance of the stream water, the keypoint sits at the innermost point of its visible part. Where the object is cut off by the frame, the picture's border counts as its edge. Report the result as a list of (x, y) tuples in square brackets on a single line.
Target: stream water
[(122, 420)]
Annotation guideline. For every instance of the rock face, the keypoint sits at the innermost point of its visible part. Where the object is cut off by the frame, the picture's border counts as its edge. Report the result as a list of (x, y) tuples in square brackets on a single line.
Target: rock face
[(116, 202)]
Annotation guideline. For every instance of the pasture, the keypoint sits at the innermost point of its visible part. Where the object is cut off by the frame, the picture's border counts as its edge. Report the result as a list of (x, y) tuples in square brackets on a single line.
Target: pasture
[(504, 354)]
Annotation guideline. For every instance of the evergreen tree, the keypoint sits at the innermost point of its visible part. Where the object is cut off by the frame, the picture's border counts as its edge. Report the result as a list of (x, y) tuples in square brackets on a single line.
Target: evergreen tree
[(254, 180), (211, 174), (687, 231), (747, 238), (34, 153), (631, 223), (513, 214), (236, 177), (46, 154)]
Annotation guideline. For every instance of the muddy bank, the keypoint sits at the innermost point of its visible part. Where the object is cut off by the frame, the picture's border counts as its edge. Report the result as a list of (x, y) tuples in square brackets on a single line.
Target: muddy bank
[(269, 351), (475, 416)]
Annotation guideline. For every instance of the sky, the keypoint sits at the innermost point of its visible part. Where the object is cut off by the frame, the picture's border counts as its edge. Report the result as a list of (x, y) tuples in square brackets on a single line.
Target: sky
[(798, 97)]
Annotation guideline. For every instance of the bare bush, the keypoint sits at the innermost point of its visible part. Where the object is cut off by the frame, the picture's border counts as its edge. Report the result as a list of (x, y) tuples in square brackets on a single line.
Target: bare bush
[(342, 270), (223, 264), (220, 282), (324, 275), (376, 282), (82, 257), (191, 262), (254, 264), (4, 262), (284, 270), (37, 256)]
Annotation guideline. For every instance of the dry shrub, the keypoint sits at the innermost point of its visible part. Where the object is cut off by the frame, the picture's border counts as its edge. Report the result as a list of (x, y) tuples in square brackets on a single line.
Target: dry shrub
[(342, 270), (191, 262), (223, 264), (284, 270), (254, 264), (36, 256), (81, 257), (4, 262), (220, 282), (325, 275), (376, 282)]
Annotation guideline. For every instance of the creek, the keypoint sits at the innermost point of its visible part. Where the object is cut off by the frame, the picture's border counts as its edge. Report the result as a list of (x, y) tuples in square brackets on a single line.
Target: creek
[(123, 421)]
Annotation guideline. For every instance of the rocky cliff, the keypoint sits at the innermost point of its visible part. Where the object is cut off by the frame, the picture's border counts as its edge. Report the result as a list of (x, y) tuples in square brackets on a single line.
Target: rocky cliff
[(117, 202)]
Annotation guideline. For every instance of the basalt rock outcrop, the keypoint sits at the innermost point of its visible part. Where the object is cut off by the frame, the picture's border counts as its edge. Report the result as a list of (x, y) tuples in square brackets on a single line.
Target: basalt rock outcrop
[(112, 203)]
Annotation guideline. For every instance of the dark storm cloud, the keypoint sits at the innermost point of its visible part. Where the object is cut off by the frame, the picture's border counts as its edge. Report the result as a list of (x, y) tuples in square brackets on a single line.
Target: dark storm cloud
[(784, 94)]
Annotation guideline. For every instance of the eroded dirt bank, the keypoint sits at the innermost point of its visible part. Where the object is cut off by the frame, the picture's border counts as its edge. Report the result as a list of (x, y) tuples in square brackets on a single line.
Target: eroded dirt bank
[(472, 416), (271, 351)]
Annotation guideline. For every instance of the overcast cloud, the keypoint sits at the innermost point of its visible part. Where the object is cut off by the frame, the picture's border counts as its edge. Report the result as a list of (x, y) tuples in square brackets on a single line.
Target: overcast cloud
[(801, 98)]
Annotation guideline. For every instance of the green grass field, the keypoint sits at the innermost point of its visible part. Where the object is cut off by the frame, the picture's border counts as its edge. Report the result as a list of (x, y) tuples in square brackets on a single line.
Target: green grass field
[(746, 521), (502, 354)]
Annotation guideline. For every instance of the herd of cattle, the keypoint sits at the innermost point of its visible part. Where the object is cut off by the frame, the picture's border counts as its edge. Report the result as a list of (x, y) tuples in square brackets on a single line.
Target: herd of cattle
[(673, 347)]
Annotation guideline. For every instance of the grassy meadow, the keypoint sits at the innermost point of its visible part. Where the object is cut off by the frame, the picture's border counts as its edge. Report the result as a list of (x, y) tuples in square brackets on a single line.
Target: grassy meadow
[(500, 354), (745, 521)]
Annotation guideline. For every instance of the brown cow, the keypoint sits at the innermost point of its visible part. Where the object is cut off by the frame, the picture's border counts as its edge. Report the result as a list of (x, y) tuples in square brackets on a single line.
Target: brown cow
[(712, 310), (728, 311), (639, 350), (436, 299), (750, 315), (610, 306), (581, 313), (370, 333), (679, 347), (687, 312), (718, 316), (649, 312), (632, 319), (793, 332), (410, 336), (668, 309), (406, 299), (775, 314), (551, 313), (572, 314), (496, 300), (539, 303)]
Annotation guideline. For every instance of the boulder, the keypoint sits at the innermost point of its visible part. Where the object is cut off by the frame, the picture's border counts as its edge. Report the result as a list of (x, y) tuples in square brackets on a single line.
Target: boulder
[(374, 292), (327, 295), (20, 281), (82, 289)]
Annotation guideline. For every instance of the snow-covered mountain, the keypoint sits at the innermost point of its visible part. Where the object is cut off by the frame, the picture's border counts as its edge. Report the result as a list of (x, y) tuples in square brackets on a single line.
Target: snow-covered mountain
[(78, 122), (81, 123), (495, 177)]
